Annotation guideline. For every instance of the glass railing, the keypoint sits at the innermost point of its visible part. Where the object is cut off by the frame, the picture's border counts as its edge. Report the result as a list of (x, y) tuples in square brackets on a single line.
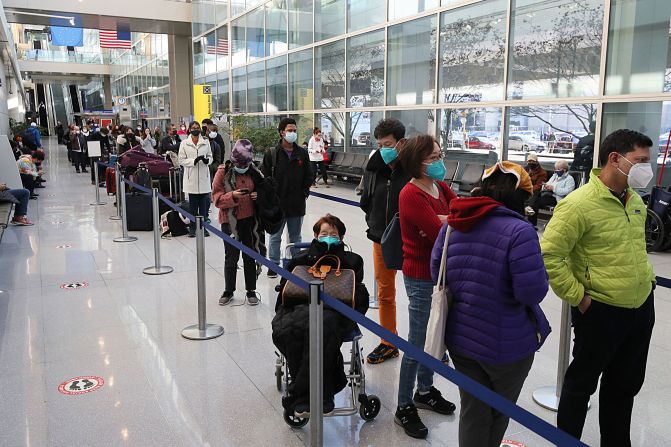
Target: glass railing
[(82, 57)]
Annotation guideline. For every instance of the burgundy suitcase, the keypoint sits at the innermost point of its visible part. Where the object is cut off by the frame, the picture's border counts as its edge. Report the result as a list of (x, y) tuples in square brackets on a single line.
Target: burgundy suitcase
[(158, 168), (110, 180), (132, 158)]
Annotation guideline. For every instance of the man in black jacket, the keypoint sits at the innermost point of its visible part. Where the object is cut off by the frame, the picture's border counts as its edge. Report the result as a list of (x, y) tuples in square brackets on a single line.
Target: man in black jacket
[(171, 141), (289, 165), (382, 183)]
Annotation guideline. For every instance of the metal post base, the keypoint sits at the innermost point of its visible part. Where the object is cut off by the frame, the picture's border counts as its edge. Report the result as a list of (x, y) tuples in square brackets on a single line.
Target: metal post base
[(125, 239), (211, 331), (98, 203), (162, 270), (115, 217), (547, 398)]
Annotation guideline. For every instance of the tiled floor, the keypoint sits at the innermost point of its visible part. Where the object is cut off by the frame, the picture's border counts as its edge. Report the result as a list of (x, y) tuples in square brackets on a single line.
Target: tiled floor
[(163, 390)]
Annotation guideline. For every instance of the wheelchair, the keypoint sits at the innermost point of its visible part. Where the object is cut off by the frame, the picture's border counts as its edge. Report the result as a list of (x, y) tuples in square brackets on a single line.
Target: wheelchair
[(658, 220), (367, 405)]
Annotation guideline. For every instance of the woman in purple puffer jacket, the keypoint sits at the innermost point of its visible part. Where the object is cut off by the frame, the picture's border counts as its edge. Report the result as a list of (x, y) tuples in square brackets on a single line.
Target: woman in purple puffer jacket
[(496, 275)]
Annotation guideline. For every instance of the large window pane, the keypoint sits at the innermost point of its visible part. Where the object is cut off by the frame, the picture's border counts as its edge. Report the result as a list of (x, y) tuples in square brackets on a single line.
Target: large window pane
[(639, 38), (237, 7), (472, 48), (412, 62), (305, 124), (403, 8), (471, 130), (220, 10), (255, 39), (555, 48), (198, 9), (256, 87), (222, 49), (360, 127), (415, 121), (330, 76), (362, 14), (333, 129), (239, 90), (210, 43), (276, 80), (198, 58), (238, 41), (329, 18), (365, 70), (221, 99), (276, 27), (300, 23), (301, 93)]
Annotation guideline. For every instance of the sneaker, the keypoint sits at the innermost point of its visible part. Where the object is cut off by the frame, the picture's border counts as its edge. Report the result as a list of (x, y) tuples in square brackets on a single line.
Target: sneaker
[(412, 425), (226, 298), (329, 406), (271, 274), (302, 410), (40, 186), (34, 197), (22, 221), (252, 298), (381, 353), (434, 401), (192, 234)]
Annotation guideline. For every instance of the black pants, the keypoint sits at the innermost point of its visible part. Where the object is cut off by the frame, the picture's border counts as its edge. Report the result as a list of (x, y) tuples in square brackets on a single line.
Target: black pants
[(199, 205), (28, 182), (245, 228), (611, 342), (79, 160), (538, 201), (318, 167), (101, 170)]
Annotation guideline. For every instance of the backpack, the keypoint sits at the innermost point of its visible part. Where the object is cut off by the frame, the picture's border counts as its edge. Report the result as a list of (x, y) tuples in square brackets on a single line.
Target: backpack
[(142, 177), (173, 224)]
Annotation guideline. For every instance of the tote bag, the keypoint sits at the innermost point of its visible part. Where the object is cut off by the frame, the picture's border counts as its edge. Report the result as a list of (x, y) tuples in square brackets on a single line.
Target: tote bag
[(392, 244), (440, 302)]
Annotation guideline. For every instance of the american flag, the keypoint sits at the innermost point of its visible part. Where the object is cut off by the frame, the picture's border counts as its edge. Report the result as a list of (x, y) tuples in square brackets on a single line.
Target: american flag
[(221, 49), (115, 39)]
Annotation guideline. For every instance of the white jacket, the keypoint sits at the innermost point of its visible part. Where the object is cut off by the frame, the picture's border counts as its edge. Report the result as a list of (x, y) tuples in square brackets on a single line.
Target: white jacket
[(316, 149), (148, 144), (196, 175)]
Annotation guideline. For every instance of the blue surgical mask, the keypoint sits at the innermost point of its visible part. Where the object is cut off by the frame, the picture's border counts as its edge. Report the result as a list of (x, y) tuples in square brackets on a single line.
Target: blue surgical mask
[(388, 154), (241, 170), (291, 137), (436, 170), (559, 173), (330, 241)]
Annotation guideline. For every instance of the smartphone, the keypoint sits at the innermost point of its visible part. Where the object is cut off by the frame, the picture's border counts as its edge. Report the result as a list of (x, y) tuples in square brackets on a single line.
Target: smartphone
[(244, 191)]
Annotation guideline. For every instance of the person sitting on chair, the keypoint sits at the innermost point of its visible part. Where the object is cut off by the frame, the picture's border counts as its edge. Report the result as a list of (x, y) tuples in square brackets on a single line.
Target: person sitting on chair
[(559, 186), (291, 332)]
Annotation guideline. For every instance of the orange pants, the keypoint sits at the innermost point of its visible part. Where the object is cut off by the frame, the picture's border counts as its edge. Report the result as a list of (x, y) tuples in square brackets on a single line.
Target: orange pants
[(386, 291)]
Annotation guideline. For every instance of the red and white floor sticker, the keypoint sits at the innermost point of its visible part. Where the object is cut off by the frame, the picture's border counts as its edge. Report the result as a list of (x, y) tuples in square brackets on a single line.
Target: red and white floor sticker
[(81, 385), (64, 246), (509, 443), (75, 285)]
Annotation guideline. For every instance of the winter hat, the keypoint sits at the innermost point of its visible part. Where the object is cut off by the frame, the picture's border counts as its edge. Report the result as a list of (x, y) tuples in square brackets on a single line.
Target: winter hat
[(508, 167), (533, 157), (242, 153)]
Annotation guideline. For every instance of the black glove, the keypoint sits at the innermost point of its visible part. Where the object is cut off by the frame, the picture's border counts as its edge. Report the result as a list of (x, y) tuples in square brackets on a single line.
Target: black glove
[(206, 160), (198, 158)]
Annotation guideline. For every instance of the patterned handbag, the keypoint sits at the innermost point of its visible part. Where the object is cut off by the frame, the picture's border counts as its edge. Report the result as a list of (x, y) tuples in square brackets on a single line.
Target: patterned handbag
[(339, 283)]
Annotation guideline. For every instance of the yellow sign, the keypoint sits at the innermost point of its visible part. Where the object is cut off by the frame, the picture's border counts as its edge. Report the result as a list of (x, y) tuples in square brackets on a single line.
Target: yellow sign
[(202, 102)]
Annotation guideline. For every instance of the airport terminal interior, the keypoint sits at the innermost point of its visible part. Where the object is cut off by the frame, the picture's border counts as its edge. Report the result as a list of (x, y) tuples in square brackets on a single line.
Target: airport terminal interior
[(92, 351)]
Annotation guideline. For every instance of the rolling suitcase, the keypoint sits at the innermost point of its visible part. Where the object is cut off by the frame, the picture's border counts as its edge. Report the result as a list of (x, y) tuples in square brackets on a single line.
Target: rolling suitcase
[(110, 181), (175, 187), (138, 212)]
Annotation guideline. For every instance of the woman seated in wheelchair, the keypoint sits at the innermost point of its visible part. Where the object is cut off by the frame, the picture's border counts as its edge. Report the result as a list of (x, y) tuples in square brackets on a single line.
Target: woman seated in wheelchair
[(291, 322)]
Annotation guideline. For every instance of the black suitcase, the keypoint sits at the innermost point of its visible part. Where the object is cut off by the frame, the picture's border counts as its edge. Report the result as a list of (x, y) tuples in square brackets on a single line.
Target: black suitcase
[(138, 212), (175, 185)]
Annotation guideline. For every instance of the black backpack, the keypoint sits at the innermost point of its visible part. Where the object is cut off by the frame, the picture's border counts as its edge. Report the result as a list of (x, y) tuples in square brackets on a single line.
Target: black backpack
[(172, 224)]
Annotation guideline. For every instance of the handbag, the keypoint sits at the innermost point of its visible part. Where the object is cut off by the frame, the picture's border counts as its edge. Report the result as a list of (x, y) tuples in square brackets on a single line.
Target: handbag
[(340, 284), (440, 303), (392, 244)]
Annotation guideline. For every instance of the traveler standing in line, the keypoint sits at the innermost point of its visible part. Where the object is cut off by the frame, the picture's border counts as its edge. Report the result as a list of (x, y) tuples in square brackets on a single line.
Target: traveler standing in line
[(32, 137), (195, 155), (594, 251), (217, 151), (213, 131), (79, 150), (182, 132), (289, 165), (383, 181), (171, 141), (147, 141), (424, 204), (67, 139), (126, 141), (496, 274), (234, 194), (317, 153), (60, 132), (157, 138), (101, 135)]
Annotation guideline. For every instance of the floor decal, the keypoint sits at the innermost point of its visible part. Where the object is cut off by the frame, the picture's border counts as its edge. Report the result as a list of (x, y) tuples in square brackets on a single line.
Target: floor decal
[(75, 285), (509, 443), (81, 385)]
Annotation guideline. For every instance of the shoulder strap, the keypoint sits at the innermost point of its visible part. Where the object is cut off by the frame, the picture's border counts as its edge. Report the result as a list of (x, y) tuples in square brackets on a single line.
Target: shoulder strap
[(442, 280), (274, 153)]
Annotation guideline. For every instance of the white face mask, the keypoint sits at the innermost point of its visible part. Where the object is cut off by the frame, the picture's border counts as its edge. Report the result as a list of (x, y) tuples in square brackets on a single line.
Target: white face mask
[(213, 135), (639, 175)]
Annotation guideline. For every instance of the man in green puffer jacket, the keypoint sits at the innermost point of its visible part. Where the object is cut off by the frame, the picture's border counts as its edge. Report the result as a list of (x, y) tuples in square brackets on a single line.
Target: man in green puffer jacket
[(594, 252)]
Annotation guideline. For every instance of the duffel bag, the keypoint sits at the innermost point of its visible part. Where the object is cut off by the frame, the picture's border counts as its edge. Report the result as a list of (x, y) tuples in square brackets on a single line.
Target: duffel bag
[(173, 224), (133, 157), (340, 284), (158, 168)]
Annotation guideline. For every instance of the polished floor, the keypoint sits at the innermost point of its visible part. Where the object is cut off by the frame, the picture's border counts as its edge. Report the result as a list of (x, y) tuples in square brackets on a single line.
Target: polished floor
[(163, 390)]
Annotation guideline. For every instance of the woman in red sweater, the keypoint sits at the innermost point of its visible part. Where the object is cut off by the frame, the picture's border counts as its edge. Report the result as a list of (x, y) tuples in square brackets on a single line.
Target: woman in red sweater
[(423, 208)]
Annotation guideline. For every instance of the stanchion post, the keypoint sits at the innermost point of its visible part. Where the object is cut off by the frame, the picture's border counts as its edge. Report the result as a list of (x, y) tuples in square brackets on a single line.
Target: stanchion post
[(374, 302), (157, 268), (548, 396), (316, 365), (202, 330), (97, 180), (117, 181), (124, 223)]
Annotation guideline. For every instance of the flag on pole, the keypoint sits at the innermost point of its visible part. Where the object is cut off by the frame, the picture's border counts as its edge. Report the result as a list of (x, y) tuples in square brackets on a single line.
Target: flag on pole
[(67, 36), (119, 39)]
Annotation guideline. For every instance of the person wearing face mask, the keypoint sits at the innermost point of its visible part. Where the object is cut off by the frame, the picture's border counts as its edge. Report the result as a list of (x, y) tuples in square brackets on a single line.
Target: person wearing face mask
[(217, 148), (316, 150), (383, 180), (194, 156), (495, 271), (234, 193), (423, 206), (126, 140), (147, 141), (182, 132), (537, 174), (171, 141), (79, 150), (291, 332), (558, 187), (289, 166), (595, 255)]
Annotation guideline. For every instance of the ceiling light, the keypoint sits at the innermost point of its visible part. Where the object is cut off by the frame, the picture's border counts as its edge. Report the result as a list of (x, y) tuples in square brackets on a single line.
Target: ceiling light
[(70, 19)]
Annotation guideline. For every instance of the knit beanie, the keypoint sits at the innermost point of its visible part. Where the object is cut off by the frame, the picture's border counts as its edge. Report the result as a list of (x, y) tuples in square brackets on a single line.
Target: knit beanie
[(242, 153), (508, 167)]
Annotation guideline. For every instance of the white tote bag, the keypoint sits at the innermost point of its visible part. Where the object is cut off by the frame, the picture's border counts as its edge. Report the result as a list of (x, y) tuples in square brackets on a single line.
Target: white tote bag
[(440, 300)]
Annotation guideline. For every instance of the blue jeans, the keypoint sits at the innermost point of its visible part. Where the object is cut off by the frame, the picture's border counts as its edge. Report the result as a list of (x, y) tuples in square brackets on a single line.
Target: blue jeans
[(419, 294), (22, 195), (294, 225), (199, 205)]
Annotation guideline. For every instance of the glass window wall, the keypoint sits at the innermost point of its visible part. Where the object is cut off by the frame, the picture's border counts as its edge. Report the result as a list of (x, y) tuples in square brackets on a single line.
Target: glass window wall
[(300, 23), (238, 42), (301, 92), (239, 90), (222, 51), (222, 97), (276, 28), (255, 35), (330, 76), (211, 49), (329, 18), (404, 8), (362, 14), (365, 70), (333, 129), (276, 84), (256, 87), (360, 128)]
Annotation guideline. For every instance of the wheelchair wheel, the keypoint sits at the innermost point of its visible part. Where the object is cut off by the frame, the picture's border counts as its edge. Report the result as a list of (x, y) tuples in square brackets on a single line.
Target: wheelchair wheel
[(369, 409), (654, 231), (293, 421), (279, 374)]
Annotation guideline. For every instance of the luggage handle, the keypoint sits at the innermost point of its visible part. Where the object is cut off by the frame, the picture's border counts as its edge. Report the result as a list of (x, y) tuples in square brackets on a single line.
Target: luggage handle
[(324, 270)]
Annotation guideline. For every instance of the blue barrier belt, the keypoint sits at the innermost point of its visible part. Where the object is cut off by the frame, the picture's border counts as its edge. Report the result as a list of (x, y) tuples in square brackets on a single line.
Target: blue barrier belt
[(334, 198), (177, 208), (663, 282)]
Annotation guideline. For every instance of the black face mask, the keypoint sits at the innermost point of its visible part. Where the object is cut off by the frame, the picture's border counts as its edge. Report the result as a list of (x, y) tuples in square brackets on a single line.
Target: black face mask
[(195, 132), (516, 200)]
